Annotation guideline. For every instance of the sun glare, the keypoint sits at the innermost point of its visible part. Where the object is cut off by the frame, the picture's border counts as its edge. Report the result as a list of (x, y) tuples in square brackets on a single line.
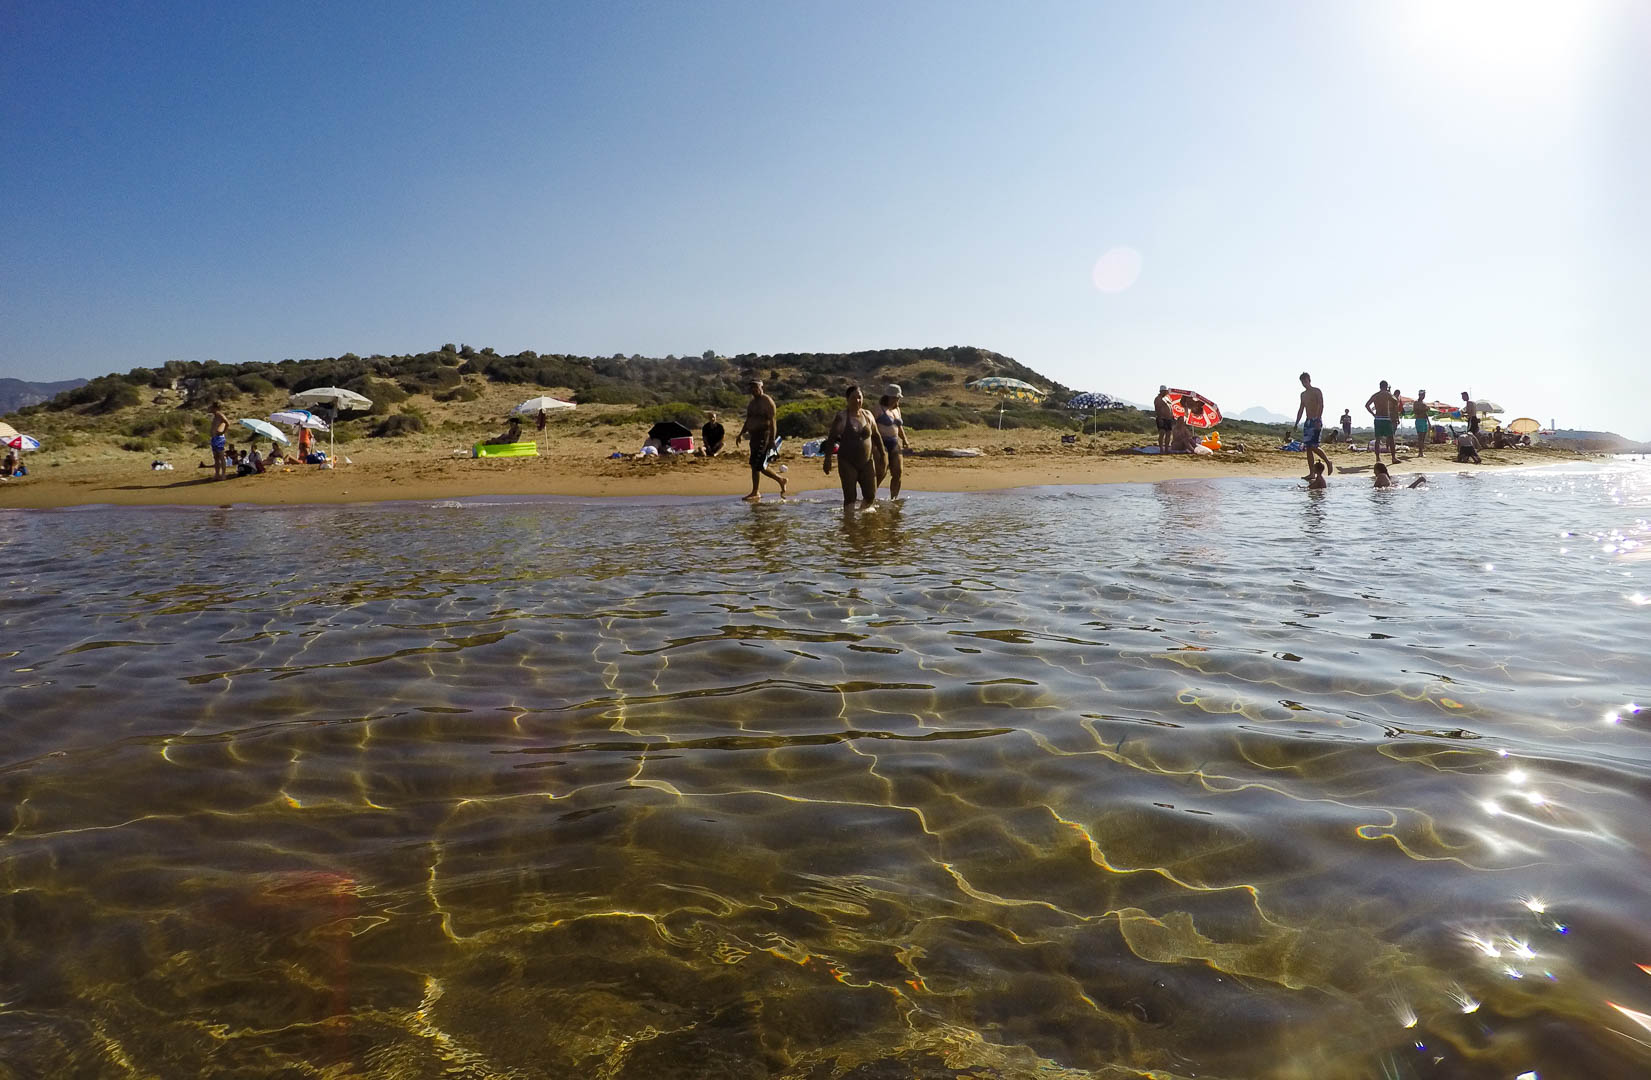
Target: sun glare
[(1510, 46)]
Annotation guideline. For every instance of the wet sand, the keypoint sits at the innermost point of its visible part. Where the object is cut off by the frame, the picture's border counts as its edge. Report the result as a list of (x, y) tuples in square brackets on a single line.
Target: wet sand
[(578, 464)]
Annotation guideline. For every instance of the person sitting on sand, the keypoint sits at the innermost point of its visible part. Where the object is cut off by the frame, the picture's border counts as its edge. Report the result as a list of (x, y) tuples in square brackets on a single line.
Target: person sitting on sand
[(860, 456), (711, 435), (11, 463), (1467, 449), (1315, 478), (242, 466), (1182, 439), (256, 460)]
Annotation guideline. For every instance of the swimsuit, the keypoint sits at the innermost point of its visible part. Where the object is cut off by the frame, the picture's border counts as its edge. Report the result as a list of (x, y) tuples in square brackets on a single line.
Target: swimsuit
[(219, 442), (854, 461), (1421, 425), (759, 452), (889, 426), (1311, 430), (1166, 423), (1384, 427)]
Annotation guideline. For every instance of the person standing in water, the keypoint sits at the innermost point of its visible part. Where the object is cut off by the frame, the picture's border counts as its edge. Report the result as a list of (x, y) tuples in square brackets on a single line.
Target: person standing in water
[(859, 450), (759, 427), (891, 428), (1164, 417), (1312, 403), (1380, 406)]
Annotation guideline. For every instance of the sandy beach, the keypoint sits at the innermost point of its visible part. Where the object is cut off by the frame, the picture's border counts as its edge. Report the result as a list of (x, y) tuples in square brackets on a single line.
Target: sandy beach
[(577, 463)]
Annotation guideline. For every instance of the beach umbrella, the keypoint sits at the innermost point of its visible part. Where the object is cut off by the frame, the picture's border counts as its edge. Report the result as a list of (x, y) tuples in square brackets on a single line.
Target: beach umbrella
[(1007, 390), (1196, 409), (1525, 426), (22, 442), (1090, 403), (301, 418), (7, 431), (532, 406), (339, 399), (1486, 406), (265, 429)]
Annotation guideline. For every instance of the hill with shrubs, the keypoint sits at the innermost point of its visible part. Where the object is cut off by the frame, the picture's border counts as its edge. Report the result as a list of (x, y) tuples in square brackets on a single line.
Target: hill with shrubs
[(147, 409)]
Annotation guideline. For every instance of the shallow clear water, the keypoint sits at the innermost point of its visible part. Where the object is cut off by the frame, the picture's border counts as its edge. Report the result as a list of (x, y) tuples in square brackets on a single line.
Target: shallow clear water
[(1192, 779)]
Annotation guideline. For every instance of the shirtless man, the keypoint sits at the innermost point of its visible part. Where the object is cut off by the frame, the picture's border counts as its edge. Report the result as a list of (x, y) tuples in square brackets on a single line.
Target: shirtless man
[(1421, 412), (1312, 403), (1470, 413), (1381, 406), (220, 441), (1164, 417), (759, 428)]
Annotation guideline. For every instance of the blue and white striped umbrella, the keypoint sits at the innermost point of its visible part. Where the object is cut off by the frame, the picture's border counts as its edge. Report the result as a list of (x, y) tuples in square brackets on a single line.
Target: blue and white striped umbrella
[(1087, 402)]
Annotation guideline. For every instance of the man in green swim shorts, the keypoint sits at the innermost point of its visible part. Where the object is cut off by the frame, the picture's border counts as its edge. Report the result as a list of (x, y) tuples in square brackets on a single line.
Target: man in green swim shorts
[(1381, 406)]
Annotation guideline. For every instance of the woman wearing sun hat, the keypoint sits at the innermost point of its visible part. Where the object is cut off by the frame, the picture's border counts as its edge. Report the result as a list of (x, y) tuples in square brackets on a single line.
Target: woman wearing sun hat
[(892, 429)]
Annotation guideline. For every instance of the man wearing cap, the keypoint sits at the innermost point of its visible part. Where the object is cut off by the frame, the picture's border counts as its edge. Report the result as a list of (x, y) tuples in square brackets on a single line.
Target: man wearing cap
[(891, 427), (759, 428), (1165, 417)]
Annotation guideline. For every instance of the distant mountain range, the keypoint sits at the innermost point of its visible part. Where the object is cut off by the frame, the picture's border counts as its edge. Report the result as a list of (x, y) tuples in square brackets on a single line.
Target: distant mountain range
[(1259, 415), (15, 393)]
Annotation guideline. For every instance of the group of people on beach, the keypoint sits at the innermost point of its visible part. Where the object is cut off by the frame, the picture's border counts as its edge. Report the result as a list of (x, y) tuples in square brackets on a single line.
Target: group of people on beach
[(1386, 409), (247, 461), (867, 446)]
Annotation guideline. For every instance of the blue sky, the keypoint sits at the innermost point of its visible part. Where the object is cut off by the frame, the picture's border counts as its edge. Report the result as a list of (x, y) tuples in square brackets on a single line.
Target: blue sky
[(1449, 194)]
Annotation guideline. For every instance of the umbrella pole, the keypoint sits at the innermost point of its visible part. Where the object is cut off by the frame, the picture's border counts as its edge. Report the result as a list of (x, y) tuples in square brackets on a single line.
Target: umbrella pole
[(1000, 416)]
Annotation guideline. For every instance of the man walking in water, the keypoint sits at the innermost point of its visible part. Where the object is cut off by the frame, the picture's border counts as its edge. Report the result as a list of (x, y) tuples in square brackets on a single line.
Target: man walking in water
[(759, 428), (1165, 418), (1470, 413), (1381, 406), (1312, 403), (220, 442)]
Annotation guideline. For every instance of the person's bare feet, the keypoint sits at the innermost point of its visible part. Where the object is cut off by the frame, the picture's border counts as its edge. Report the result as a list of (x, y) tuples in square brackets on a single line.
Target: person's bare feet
[(1327, 466), (753, 497), (782, 489)]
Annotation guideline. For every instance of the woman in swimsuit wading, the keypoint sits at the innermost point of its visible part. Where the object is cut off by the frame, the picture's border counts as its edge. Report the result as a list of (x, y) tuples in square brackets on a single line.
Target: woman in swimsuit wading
[(860, 457), (891, 428)]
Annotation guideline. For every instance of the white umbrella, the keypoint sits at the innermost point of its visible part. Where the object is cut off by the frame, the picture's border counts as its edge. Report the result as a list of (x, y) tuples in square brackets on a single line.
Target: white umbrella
[(340, 399), (546, 404), (299, 418), (7, 431), (266, 429)]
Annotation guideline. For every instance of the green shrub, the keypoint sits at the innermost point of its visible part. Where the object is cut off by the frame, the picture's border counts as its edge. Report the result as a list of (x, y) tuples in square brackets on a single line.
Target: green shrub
[(254, 384), (135, 445), (613, 394), (808, 417), (938, 417), (682, 412), (461, 392), (405, 423), (381, 393)]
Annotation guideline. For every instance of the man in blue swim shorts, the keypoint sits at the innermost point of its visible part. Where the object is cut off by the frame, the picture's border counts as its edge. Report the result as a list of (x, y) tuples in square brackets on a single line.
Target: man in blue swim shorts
[(220, 440), (1421, 412), (1312, 403)]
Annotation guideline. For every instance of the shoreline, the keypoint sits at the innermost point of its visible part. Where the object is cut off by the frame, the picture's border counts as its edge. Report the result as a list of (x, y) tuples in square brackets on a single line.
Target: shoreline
[(380, 474)]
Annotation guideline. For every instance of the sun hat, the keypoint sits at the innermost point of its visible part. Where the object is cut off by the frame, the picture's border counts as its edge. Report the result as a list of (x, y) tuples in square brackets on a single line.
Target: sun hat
[(1163, 388), (892, 390)]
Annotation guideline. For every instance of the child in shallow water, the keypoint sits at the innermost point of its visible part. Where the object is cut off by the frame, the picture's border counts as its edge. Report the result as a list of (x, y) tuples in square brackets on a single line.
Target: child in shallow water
[(1383, 479), (1316, 481)]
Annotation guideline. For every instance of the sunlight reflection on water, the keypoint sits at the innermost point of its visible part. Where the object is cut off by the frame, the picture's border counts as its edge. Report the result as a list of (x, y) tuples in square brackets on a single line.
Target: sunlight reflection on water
[(1197, 777)]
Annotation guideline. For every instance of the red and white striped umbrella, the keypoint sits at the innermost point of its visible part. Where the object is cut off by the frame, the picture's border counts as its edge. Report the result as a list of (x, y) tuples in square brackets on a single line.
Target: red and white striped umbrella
[(1196, 409)]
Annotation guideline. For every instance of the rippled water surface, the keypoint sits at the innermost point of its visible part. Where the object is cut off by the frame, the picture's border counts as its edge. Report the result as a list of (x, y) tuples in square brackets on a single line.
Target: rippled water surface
[(1194, 779)]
